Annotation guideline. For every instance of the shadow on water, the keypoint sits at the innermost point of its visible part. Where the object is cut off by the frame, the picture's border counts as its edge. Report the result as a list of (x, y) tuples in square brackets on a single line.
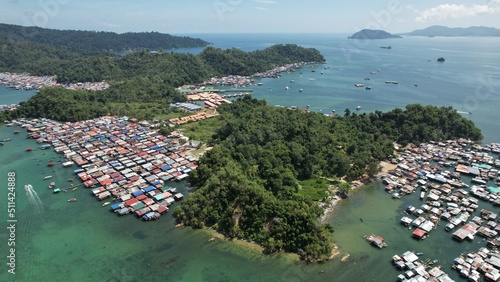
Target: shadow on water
[(140, 235)]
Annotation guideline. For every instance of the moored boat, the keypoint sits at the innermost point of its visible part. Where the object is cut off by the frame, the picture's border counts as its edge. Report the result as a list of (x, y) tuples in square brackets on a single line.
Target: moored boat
[(72, 200)]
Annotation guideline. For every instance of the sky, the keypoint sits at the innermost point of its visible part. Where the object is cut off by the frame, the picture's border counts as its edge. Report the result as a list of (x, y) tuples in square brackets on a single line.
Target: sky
[(250, 16)]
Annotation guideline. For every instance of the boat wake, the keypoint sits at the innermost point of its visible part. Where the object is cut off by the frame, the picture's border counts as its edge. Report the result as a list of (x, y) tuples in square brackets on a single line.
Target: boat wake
[(33, 198)]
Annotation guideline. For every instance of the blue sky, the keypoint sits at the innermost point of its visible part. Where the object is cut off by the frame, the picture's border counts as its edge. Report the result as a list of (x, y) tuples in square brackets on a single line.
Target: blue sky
[(236, 16)]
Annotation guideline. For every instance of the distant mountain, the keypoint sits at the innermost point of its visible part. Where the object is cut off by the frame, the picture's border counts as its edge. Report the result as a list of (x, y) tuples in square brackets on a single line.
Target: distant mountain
[(96, 40), (372, 34), (438, 30)]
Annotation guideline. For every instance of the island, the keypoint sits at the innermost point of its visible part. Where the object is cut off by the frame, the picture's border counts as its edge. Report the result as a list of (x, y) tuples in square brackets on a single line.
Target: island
[(270, 170), (93, 41), (439, 30), (372, 34)]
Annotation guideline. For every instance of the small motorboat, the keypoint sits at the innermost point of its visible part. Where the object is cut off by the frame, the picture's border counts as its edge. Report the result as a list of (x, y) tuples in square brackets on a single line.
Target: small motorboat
[(72, 200), (105, 204)]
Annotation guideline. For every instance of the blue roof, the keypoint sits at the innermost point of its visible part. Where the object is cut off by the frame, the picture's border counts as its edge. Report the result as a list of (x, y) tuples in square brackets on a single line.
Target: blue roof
[(116, 206), (149, 189), (137, 193), (166, 167), (156, 182)]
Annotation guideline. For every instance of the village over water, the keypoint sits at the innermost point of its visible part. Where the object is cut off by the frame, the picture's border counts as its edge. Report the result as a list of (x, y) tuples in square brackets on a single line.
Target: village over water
[(439, 173)]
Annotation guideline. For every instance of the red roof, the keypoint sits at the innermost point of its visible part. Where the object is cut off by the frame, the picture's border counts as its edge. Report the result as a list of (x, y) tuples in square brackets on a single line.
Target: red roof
[(419, 233), (141, 197), (131, 202)]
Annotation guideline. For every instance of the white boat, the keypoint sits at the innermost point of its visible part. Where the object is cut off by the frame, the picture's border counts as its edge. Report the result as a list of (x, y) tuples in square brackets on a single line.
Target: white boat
[(105, 204), (358, 108), (48, 177), (286, 87), (300, 90), (68, 164), (478, 180), (359, 85)]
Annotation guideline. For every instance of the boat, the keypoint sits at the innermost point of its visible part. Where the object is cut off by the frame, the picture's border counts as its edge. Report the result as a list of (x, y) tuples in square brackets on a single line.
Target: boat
[(359, 85), (440, 59), (51, 163), (391, 82), (105, 204), (47, 177), (300, 90), (52, 185), (6, 139), (478, 180), (358, 108), (292, 81), (260, 83), (386, 47), (286, 87), (57, 190), (368, 87), (312, 78), (16, 132), (72, 200), (68, 164), (28, 149)]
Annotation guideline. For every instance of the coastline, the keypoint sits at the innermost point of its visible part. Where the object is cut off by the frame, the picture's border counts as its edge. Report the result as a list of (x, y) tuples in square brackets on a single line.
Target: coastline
[(248, 246), (385, 167)]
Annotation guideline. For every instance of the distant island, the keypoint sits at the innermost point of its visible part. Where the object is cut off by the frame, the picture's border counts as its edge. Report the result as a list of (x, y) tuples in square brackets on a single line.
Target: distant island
[(438, 30), (373, 34), (100, 41)]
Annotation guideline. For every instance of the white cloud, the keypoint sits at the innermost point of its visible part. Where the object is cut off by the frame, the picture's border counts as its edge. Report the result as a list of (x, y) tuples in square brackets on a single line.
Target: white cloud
[(454, 11), (261, 8)]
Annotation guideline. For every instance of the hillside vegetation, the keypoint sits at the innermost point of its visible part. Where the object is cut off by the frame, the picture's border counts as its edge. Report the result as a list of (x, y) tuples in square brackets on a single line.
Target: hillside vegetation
[(138, 78), (248, 186), (100, 41)]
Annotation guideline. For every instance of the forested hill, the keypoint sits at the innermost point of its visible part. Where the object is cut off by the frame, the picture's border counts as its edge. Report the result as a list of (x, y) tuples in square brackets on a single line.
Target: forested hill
[(138, 77), (248, 185), (96, 40)]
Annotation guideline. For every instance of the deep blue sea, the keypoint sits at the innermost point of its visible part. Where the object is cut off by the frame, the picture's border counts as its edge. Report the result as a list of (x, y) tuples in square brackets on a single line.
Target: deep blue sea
[(82, 241)]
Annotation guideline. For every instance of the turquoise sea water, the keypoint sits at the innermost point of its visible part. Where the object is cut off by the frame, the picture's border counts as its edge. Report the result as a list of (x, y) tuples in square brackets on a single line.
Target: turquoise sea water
[(82, 241)]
